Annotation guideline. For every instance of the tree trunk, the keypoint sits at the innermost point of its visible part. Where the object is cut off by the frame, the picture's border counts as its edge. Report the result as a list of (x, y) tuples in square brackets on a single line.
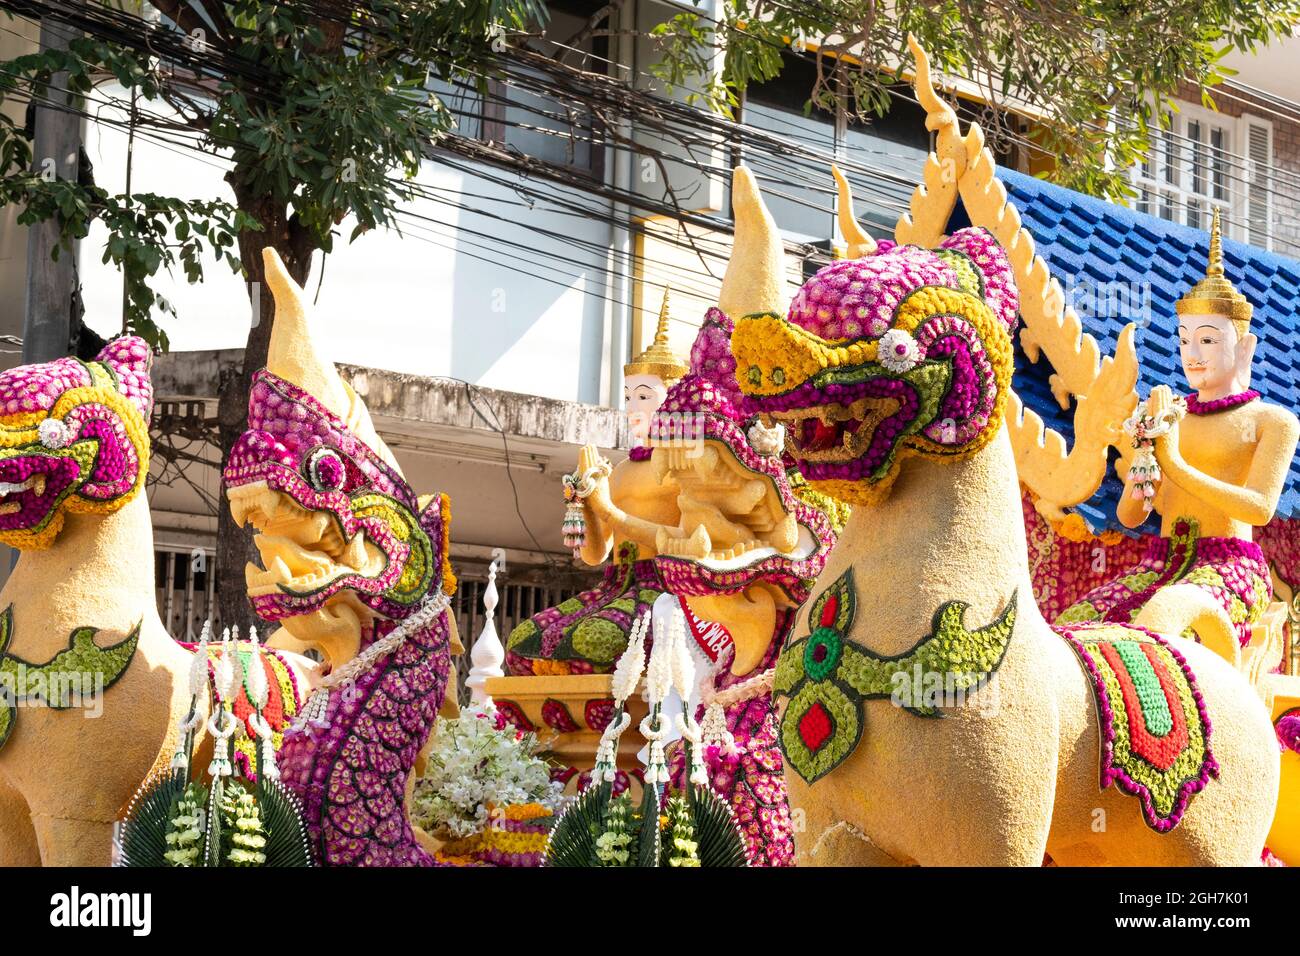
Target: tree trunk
[(295, 246)]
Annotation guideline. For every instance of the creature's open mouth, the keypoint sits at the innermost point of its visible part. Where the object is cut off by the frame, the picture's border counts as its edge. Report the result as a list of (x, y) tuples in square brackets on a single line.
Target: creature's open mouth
[(835, 432), (31, 486), (305, 551)]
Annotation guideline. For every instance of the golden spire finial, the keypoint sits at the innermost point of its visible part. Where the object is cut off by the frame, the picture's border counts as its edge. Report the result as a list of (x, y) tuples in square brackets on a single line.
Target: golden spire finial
[(937, 112), (1214, 268), (659, 358), (1215, 294), (859, 242)]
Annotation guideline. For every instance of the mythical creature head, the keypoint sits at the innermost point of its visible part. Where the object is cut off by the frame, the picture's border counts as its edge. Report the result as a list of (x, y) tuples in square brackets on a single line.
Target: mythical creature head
[(740, 521), (742, 527), (905, 351), (343, 537), (74, 437)]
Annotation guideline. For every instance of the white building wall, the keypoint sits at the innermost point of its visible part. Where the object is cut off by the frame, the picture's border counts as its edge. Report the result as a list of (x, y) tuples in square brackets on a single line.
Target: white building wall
[(461, 293)]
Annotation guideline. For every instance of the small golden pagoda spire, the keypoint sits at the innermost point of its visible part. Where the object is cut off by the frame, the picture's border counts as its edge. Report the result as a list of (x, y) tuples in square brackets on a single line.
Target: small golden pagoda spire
[(659, 358), (1215, 294)]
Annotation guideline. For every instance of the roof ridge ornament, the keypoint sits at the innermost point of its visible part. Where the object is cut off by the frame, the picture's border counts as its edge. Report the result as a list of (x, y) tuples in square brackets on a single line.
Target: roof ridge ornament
[(859, 242), (963, 166)]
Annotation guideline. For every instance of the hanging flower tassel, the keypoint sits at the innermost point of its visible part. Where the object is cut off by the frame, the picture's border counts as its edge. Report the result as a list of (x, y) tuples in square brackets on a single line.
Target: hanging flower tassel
[(222, 727), (574, 527), (222, 723), (713, 729), (577, 487), (684, 682), (198, 678), (259, 690), (1144, 429)]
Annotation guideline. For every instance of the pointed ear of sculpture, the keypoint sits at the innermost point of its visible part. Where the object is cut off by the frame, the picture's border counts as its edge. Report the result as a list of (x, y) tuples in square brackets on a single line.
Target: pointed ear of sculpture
[(130, 359), (755, 276), (292, 356), (859, 242)]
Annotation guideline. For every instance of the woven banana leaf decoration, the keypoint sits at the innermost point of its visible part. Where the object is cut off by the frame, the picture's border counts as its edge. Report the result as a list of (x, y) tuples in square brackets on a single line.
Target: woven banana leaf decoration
[(574, 839)]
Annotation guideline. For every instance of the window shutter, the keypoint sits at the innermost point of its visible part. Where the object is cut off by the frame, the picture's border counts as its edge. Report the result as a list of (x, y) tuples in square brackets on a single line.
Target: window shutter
[(1259, 158)]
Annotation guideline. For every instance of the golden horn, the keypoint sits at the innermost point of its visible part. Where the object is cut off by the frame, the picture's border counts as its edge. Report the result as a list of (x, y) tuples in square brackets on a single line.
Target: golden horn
[(292, 356), (859, 242), (755, 276), (937, 112)]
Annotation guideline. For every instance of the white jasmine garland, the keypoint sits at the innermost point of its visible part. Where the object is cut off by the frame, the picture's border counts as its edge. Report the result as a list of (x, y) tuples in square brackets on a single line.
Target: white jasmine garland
[(628, 670), (683, 666), (258, 688), (659, 672), (898, 351)]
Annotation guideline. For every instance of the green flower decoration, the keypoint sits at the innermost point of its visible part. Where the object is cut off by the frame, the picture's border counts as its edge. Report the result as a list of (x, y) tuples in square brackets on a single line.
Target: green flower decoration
[(827, 676), (82, 668), (822, 653)]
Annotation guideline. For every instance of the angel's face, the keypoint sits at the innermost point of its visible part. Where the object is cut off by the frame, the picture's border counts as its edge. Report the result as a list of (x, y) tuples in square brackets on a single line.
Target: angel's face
[(1208, 345)]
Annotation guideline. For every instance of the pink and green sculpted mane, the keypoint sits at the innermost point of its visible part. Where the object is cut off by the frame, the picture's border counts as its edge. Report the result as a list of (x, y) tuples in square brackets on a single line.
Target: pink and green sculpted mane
[(913, 335), (350, 769)]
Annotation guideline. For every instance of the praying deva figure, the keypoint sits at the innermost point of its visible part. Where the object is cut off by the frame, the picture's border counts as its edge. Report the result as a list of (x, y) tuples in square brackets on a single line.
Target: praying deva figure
[(1222, 469), (589, 632)]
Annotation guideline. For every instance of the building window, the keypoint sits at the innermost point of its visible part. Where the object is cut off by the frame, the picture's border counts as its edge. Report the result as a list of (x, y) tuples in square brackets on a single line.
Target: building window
[(519, 113), (1204, 161)]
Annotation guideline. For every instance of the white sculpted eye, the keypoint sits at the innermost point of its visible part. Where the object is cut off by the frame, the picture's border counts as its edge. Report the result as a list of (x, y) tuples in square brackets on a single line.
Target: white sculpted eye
[(54, 433), (325, 470)]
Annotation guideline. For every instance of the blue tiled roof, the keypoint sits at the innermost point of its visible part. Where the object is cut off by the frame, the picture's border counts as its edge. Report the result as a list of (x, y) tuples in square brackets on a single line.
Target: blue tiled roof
[(1146, 264)]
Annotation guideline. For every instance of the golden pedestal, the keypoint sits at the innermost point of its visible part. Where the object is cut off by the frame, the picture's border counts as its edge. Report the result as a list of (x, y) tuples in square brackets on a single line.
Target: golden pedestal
[(568, 713)]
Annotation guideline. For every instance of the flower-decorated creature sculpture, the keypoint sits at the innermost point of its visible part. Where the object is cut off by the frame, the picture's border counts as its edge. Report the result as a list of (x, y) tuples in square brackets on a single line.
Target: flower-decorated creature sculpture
[(742, 549), (357, 569), (80, 635), (928, 714)]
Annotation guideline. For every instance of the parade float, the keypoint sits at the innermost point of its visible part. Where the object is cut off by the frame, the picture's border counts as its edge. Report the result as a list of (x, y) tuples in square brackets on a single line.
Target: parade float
[(1032, 733), (943, 675)]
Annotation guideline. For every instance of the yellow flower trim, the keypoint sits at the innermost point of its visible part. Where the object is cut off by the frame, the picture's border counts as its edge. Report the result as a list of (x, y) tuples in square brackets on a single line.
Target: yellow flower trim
[(773, 355), (526, 811), (448, 576)]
